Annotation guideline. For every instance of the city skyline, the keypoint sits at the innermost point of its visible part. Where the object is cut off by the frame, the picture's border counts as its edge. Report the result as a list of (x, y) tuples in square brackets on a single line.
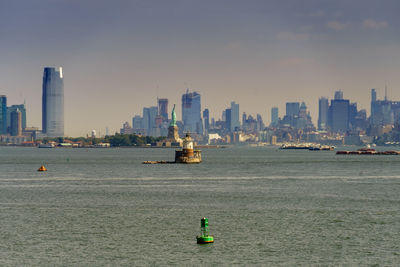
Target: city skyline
[(119, 57)]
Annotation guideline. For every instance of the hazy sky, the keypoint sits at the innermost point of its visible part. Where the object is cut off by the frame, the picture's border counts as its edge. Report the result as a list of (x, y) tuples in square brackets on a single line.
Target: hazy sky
[(119, 55)]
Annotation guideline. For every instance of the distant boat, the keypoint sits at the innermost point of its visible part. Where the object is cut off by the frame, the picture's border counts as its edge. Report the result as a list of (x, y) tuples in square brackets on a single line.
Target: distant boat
[(319, 147), (48, 145), (296, 146)]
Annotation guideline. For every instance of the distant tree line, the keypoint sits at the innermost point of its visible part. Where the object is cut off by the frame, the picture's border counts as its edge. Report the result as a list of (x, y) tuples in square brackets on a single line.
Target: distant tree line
[(116, 140), (131, 140)]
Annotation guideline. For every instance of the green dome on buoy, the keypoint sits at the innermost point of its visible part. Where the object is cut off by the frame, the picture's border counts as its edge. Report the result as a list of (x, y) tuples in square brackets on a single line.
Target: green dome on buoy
[(204, 237)]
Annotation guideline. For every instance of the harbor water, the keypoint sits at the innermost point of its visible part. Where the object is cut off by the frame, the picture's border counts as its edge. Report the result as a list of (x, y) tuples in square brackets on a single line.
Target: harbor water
[(271, 207)]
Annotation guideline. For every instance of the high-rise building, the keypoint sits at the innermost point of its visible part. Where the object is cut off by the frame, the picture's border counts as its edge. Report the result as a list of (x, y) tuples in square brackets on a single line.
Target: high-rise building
[(191, 113), (353, 112), (383, 112), (149, 119), (274, 116), (235, 123), (323, 111), (339, 95), (137, 122), (22, 109), (206, 118), (3, 114), (373, 95), (53, 102), (339, 112), (228, 119), (292, 109), (260, 123), (163, 108), (16, 123)]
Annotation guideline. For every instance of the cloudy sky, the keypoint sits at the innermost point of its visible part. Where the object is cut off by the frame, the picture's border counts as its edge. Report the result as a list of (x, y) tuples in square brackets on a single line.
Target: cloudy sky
[(119, 55)]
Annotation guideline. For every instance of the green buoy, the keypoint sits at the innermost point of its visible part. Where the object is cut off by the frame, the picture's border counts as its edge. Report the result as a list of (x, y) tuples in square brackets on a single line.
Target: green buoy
[(204, 237)]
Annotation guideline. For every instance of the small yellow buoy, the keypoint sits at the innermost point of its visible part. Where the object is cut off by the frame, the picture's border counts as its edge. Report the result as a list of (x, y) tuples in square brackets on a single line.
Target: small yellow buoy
[(42, 169)]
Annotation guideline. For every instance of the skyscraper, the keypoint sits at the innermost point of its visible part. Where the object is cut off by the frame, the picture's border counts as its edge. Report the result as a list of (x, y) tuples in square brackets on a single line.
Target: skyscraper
[(16, 123), (22, 109), (53, 102), (163, 108), (339, 110), (137, 122), (292, 109), (323, 111), (352, 115), (3, 114), (274, 116), (206, 118), (235, 123), (228, 119), (373, 95), (339, 95), (149, 119), (191, 113), (383, 112)]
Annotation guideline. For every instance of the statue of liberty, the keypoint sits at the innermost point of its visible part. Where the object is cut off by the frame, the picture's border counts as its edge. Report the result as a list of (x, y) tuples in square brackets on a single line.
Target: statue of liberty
[(173, 117)]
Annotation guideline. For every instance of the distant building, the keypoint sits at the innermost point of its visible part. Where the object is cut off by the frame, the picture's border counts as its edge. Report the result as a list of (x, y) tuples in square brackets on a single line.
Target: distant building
[(353, 112), (12, 108), (149, 120), (250, 124), (16, 123), (206, 118), (373, 95), (339, 113), (137, 122), (260, 123), (191, 113), (3, 114), (292, 114), (292, 108), (274, 116), (53, 102), (228, 119), (235, 123), (339, 95), (323, 111), (163, 108), (383, 112), (126, 129)]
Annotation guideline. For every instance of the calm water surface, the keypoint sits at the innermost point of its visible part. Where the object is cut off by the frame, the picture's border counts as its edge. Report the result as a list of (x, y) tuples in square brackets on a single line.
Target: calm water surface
[(99, 207)]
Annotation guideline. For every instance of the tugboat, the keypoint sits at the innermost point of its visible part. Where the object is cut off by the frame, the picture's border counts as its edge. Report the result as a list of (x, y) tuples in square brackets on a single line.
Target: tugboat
[(188, 154), (204, 237)]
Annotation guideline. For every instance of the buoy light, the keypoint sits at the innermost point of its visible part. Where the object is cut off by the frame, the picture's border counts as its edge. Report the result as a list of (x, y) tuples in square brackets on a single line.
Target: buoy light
[(204, 237)]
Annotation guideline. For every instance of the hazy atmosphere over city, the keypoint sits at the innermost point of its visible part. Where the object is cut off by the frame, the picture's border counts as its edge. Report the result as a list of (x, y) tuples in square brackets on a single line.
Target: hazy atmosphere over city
[(119, 56)]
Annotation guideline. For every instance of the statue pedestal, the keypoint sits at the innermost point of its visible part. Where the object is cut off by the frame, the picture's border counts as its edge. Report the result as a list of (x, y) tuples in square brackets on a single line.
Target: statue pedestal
[(173, 135)]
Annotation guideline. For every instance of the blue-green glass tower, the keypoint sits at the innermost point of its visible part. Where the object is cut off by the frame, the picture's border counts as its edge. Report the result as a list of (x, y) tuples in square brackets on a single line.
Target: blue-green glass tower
[(53, 102)]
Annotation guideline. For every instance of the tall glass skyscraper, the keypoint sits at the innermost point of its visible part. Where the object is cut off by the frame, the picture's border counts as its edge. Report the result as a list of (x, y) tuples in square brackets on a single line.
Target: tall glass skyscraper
[(274, 116), (235, 123), (3, 114), (323, 111), (53, 102), (206, 117), (191, 113)]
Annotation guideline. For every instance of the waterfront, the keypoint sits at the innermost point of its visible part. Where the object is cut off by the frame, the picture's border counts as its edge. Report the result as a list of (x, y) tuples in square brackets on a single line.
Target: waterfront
[(266, 207)]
